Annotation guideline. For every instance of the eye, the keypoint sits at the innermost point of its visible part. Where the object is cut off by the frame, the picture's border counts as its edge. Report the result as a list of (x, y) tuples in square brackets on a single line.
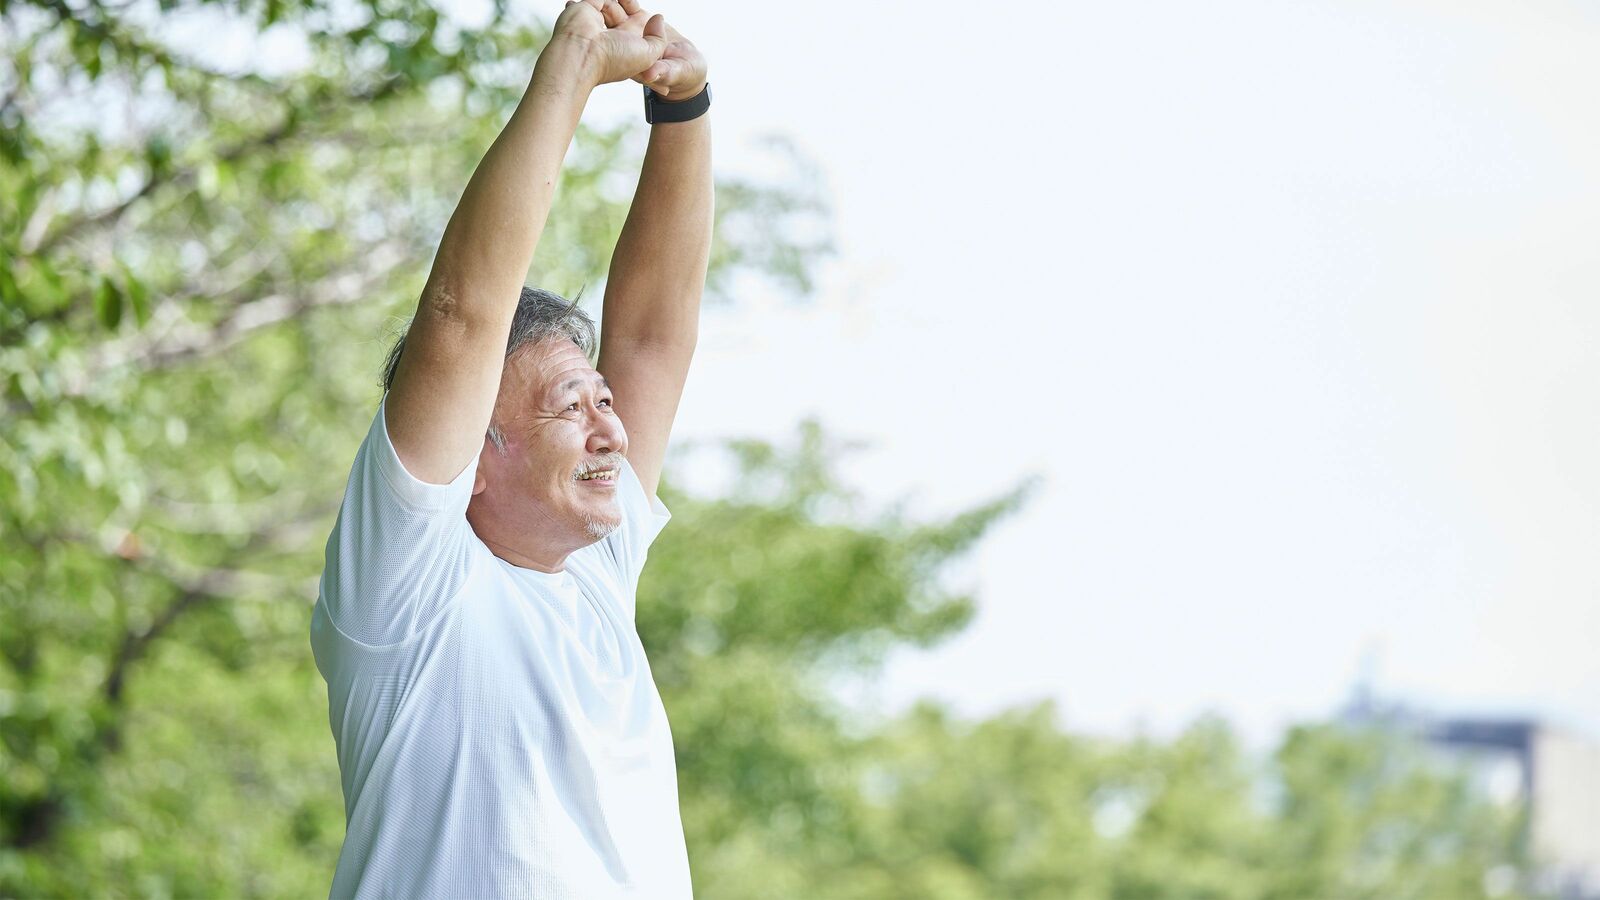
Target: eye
[(574, 405)]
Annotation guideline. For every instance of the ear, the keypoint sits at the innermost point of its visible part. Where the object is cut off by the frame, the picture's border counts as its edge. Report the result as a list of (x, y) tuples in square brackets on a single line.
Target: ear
[(478, 481)]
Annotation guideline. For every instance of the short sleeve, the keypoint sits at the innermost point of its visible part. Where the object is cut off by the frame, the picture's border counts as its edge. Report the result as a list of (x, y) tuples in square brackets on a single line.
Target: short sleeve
[(400, 549), (643, 517)]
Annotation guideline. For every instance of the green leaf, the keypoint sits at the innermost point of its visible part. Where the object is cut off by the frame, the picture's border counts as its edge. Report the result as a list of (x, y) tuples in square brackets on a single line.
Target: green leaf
[(158, 152), (41, 287), (8, 287), (138, 297), (108, 303)]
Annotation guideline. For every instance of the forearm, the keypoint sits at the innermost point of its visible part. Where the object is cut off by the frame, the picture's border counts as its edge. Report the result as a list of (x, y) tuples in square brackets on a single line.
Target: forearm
[(658, 270), (489, 243)]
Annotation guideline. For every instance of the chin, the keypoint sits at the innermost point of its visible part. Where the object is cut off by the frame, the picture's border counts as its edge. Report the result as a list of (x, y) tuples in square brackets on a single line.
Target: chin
[(600, 529)]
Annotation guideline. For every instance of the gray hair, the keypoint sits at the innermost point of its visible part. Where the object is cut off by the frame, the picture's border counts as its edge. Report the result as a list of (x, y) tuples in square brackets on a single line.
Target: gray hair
[(540, 314)]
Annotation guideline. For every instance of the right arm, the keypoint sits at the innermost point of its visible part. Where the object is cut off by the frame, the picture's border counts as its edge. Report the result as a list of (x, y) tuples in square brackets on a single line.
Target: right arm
[(445, 385)]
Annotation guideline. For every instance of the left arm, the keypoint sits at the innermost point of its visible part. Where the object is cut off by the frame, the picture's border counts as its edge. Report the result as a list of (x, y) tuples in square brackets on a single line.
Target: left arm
[(651, 313)]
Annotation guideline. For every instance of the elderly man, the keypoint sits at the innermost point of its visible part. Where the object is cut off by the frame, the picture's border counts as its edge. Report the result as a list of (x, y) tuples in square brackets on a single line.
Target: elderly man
[(499, 733)]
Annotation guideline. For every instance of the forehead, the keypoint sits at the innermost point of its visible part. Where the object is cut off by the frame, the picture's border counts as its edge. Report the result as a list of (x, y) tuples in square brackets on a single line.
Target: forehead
[(550, 367)]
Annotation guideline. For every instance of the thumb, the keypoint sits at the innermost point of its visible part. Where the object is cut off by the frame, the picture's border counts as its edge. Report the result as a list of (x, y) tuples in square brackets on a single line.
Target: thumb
[(656, 28)]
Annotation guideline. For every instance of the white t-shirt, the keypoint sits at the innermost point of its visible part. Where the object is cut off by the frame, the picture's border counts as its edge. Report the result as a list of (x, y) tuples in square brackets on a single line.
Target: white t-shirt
[(498, 730)]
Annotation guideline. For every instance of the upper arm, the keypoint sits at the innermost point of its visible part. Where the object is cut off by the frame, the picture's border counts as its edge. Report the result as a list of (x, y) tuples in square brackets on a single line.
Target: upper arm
[(646, 384), (445, 385), (400, 548)]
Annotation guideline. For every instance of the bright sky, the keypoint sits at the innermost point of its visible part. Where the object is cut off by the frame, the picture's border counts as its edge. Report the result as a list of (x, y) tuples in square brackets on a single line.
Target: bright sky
[(1292, 309), (1287, 312)]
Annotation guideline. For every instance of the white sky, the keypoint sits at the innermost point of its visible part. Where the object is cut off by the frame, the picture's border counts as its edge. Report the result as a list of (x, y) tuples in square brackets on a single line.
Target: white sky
[(1293, 308), (1290, 310)]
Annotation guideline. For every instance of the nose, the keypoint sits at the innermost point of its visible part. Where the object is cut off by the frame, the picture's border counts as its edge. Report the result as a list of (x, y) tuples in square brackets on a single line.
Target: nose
[(606, 434)]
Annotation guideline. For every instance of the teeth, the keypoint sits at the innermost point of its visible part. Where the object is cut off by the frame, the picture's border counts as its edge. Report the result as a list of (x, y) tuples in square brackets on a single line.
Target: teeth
[(599, 473)]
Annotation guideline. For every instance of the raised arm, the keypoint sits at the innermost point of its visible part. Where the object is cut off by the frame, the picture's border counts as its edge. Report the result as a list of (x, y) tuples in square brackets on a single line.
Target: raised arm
[(651, 317), (444, 389)]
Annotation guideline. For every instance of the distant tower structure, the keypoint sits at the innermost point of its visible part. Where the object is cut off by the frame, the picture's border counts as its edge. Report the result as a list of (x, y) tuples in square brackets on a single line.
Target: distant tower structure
[(1364, 696), (1554, 772)]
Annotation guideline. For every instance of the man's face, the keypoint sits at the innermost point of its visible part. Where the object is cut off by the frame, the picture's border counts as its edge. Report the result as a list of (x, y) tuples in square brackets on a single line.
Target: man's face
[(555, 412)]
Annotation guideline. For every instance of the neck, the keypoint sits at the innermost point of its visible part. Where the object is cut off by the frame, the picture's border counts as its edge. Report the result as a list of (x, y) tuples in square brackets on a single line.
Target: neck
[(529, 545), (549, 564)]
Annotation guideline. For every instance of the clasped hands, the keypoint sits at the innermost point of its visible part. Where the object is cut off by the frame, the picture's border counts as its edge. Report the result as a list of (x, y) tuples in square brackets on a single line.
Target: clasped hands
[(623, 41)]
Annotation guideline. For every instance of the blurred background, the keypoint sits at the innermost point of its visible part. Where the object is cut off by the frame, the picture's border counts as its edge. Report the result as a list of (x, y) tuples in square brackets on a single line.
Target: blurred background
[(1134, 451)]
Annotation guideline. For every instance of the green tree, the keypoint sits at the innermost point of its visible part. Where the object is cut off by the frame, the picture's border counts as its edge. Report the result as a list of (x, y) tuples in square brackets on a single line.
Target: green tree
[(200, 268), (1013, 807), (751, 604)]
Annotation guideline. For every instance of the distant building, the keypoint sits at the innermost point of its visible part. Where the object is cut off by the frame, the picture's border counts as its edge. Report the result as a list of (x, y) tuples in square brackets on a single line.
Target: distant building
[(1553, 772)]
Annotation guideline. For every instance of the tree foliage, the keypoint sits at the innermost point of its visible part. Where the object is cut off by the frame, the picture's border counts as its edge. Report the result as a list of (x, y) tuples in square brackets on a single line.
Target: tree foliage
[(201, 264), (201, 267)]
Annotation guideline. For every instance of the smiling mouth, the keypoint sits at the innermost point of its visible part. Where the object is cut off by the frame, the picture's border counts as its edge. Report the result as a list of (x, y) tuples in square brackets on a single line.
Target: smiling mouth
[(600, 477)]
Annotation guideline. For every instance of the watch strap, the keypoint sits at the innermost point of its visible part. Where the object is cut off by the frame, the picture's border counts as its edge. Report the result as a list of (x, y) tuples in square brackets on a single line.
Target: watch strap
[(657, 110)]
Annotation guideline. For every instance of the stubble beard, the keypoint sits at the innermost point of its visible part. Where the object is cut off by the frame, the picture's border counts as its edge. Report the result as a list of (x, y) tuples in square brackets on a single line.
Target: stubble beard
[(600, 529)]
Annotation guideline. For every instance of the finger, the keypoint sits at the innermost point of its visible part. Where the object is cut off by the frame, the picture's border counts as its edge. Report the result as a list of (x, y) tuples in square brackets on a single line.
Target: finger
[(656, 27), (652, 36), (663, 72), (614, 14), (631, 7), (635, 22)]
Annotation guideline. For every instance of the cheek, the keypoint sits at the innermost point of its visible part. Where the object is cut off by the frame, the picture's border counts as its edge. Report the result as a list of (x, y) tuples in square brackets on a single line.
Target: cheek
[(518, 458), (555, 452)]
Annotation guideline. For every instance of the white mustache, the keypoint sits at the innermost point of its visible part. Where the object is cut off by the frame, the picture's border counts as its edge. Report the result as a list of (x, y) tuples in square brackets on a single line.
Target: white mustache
[(596, 467)]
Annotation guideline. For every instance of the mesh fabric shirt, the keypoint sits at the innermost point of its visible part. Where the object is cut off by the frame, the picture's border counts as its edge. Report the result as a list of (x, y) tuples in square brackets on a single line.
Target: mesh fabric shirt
[(498, 730)]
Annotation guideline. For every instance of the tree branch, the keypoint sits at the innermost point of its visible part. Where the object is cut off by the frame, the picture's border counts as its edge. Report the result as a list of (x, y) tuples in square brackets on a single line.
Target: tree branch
[(187, 340), (170, 339), (159, 178), (195, 587), (184, 177), (33, 821)]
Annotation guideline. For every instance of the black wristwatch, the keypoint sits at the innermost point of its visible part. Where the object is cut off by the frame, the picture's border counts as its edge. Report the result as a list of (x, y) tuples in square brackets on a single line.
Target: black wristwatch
[(657, 110)]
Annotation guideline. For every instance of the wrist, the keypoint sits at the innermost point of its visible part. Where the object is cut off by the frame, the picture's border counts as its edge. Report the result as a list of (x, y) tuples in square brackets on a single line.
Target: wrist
[(566, 65), (679, 95)]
